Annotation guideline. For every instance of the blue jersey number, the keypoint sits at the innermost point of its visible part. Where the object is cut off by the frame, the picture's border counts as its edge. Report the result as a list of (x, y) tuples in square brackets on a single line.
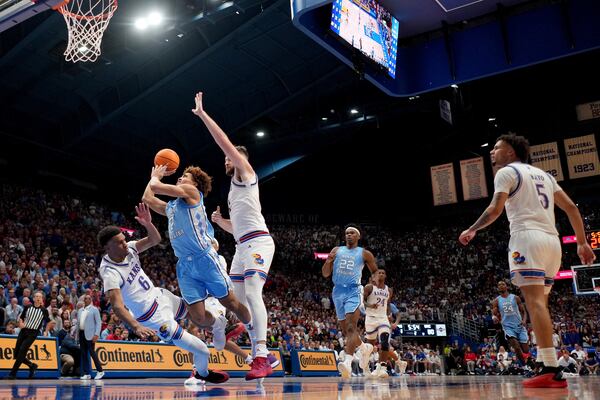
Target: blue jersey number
[(543, 197), (143, 282)]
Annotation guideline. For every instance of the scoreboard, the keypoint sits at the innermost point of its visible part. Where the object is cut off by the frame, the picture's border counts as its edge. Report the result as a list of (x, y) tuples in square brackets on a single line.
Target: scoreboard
[(593, 238), (423, 330)]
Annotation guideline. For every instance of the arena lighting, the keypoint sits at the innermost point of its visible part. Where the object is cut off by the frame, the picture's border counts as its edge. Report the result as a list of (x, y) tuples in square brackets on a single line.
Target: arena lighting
[(353, 111), (323, 118), (155, 18), (83, 49), (491, 119), (260, 134), (485, 145), (454, 86), (141, 23)]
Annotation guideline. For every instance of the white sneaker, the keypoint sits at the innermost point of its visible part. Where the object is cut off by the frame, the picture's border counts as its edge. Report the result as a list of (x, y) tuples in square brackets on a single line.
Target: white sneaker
[(382, 371), (192, 380), (85, 377), (218, 330), (99, 376), (365, 354), (345, 368)]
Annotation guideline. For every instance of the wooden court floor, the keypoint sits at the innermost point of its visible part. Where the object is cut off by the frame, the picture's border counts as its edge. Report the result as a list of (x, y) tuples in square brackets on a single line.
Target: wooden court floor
[(406, 387)]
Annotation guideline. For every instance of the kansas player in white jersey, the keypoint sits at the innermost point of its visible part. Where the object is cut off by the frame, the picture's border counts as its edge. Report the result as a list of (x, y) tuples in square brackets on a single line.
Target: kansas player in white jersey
[(508, 309), (152, 309), (191, 234), (534, 256), (346, 263), (377, 296), (255, 246)]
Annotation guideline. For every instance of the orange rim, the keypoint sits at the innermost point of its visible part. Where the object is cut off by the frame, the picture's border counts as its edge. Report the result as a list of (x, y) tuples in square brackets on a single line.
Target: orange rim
[(62, 8)]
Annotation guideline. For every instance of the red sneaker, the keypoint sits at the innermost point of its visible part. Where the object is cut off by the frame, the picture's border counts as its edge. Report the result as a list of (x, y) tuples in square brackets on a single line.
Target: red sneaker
[(214, 376), (549, 377), (260, 368), (234, 331)]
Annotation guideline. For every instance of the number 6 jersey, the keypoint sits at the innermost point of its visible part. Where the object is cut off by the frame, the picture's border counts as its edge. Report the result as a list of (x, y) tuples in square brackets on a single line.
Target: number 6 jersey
[(530, 203), (137, 289)]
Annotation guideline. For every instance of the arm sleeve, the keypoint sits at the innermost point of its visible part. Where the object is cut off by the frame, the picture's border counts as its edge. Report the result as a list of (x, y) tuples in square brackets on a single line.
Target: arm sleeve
[(111, 279), (505, 180)]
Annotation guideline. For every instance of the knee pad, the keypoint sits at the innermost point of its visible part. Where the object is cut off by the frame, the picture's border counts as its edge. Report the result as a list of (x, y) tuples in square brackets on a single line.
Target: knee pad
[(384, 339), (170, 331)]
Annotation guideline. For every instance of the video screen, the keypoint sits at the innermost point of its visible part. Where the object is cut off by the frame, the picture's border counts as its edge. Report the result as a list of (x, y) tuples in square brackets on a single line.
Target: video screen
[(368, 27)]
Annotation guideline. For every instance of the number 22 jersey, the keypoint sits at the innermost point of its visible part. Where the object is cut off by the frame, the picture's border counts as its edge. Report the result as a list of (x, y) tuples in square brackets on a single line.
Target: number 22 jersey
[(137, 289)]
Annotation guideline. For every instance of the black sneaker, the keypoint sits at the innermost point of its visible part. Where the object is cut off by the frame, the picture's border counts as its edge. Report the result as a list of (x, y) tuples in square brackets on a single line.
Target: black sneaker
[(32, 370), (214, 376)]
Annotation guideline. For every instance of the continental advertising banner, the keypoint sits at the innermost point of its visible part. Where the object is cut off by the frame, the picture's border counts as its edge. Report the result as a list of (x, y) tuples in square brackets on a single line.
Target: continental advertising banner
[(125, 359), (43, 352), (314, 363)]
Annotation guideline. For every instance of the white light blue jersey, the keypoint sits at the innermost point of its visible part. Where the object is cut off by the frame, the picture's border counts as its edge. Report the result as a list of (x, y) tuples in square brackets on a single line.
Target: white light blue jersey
[(509, 310), (348, 266), (190, 231)]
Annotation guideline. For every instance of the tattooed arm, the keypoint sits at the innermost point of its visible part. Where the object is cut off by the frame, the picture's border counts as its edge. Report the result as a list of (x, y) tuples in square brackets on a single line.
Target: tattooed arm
[(491, 213)]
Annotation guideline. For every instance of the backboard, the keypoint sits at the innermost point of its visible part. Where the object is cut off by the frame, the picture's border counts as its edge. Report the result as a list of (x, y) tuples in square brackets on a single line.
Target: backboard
[(13, 12)]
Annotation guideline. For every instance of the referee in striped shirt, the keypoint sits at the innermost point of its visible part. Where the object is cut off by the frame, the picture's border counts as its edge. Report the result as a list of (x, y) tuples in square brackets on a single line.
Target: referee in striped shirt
[(31, 321)]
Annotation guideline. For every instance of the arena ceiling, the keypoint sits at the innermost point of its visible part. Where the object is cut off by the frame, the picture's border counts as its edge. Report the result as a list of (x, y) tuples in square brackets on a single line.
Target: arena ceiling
[(99, 125)]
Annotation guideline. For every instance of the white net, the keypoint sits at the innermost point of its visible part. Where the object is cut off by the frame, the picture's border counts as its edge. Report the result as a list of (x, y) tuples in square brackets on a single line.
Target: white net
[(86, 21)]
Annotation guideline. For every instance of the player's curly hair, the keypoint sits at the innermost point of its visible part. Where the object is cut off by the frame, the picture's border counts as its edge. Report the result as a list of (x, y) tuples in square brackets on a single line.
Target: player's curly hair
[(201, 178), (519, 143), (106, 234)]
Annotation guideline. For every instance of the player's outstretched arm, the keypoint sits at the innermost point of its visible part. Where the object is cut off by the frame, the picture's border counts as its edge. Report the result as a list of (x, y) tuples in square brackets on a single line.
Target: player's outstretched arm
[(218, 219), (239, 161), (327, 268), (186, 191), (370, 261), (144, 217), (491, 213), (116, 300), (155, 204), (495, 311), (564, 202)]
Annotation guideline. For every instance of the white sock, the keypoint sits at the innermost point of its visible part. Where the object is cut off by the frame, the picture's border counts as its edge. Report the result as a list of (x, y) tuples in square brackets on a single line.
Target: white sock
[(253, 289), (261, 350), (539, 358), (198, 348), (549, 357), (349, 358)]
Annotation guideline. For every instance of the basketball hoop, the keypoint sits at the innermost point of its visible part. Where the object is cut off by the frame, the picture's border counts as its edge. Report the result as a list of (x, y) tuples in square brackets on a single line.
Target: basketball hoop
[(597, 289), (86, 22)]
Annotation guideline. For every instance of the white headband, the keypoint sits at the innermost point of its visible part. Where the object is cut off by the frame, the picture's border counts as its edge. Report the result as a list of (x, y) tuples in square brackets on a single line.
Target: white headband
[(351, 228)]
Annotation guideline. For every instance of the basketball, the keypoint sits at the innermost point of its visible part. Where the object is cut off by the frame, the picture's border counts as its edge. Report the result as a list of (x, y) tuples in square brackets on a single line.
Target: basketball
[(167, 157)]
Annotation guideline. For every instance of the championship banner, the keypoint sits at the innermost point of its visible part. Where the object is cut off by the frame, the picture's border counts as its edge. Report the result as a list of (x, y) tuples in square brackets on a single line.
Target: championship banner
[(142, 359), (314, 363), (443, 184), (472, 175), (43, 352), (545, 156), (582, 156), (588, 111)]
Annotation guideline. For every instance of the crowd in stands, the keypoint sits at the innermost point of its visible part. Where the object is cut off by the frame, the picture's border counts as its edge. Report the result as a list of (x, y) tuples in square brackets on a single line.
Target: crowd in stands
[(48, 243)]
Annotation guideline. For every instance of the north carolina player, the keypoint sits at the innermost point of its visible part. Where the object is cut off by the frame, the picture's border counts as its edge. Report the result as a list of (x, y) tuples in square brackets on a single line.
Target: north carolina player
[(377, 296), (255, 246), (127, 285), (346, 264), (529, 195), (510, 311), (190, 233)]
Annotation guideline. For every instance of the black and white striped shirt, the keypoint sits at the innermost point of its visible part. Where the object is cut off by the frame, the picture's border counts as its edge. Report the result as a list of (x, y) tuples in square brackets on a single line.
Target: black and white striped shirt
[(34, 317)]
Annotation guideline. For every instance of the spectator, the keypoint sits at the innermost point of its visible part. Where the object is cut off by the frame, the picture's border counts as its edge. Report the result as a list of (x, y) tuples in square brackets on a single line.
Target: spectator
[(70, 355), (568, 363), (471, 360), (13, 310), (88, 319)]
